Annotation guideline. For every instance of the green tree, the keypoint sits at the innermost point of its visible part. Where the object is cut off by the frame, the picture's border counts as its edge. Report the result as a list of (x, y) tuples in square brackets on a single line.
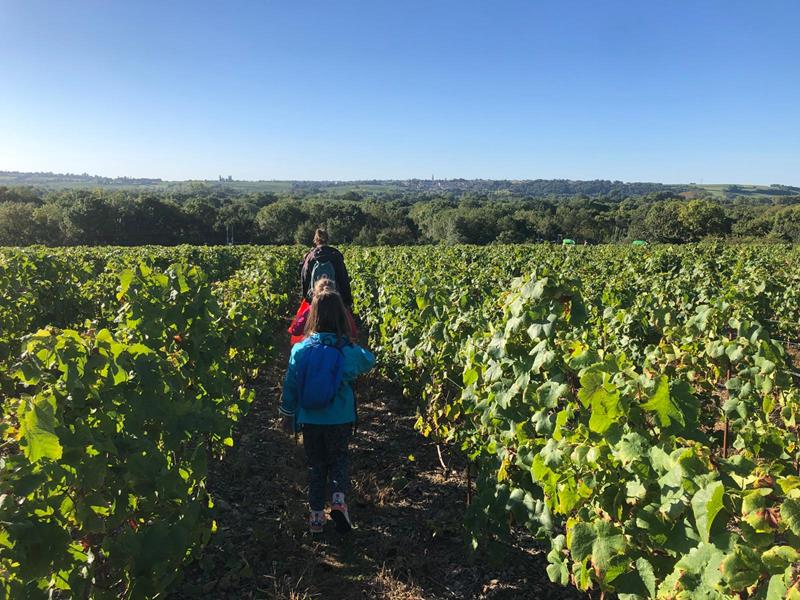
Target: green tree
[(17, 227), (49, 220), (700, 218), (663, 223), (240, 218), (200, 216), (90, 219), (787, 224), (278, 222)]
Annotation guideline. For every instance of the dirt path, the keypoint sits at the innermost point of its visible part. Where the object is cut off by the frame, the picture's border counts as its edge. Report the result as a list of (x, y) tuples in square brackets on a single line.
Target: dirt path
[(408, 542)]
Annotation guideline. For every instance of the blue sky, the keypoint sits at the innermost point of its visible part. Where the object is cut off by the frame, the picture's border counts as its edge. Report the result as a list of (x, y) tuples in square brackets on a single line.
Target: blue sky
[(678, 91)]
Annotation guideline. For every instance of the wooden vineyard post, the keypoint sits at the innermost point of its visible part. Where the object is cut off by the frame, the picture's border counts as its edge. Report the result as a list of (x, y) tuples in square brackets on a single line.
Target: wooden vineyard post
[(727, 428), (725, 439), (469, 486), (797, 450)]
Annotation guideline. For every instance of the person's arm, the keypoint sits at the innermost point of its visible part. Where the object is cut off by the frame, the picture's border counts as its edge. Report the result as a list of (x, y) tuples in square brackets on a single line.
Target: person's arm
[(360, 360), (305, 276), (343, 280)]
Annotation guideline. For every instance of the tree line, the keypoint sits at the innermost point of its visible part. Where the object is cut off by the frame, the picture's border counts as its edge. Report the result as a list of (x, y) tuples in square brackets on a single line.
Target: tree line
[(214, 215)]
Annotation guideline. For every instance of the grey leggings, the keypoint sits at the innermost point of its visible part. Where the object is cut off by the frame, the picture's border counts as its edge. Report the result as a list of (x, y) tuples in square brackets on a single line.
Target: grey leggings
[(326, 454)]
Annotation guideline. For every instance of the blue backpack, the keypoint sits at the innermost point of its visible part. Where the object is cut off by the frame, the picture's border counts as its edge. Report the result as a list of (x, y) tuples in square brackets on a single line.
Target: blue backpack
[(320, 375)]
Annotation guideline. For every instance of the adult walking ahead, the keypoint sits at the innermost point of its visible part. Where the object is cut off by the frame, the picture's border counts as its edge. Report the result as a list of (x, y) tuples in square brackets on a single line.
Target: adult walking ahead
[(325, 261)]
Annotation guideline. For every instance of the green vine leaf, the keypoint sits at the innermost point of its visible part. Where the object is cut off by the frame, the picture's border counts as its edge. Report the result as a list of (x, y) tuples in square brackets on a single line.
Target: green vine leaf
[(663, 405), (706, 504), (37, 428), (602, 399), (790, 514)]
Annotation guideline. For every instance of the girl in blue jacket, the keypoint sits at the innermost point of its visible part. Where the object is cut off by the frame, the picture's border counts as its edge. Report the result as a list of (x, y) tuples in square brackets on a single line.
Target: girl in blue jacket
[(326, 425)]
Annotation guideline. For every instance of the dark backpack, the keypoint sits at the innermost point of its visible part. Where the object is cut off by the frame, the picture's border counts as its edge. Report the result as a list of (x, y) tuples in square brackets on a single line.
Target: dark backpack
[(320, 375), (318, 271)]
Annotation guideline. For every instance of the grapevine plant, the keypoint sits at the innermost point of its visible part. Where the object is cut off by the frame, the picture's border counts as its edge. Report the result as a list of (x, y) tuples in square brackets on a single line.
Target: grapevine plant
[(634, 408), (619, 463), (112, 424), (630, 407)]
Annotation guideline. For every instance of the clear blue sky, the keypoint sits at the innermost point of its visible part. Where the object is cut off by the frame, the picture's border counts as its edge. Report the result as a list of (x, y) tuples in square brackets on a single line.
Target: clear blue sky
[(638, 90)]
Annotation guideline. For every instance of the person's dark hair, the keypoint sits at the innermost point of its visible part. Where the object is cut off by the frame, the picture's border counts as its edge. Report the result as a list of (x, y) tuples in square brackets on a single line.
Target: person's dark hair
[(321, 237), (327, 314)]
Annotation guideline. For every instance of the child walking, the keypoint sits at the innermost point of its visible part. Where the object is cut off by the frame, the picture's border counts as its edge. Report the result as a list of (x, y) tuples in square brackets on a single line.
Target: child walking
[(318, 399)]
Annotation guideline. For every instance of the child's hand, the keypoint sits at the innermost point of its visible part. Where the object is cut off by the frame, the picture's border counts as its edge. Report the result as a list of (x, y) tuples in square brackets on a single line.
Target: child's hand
[(287, 424)]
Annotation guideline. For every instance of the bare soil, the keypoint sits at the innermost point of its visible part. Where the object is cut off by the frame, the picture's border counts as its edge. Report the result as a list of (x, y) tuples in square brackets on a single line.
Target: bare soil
[(408, 542)]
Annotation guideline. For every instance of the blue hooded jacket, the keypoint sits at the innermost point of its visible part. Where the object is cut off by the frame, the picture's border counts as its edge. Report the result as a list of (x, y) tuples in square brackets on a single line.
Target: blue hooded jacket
[(357, 360)]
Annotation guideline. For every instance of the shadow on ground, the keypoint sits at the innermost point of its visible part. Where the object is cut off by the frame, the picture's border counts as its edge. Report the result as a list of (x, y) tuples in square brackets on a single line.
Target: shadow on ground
[(408, 542)]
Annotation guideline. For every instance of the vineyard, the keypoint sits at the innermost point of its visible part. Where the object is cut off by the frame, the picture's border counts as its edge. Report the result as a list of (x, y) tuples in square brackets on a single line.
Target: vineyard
[(634, 409)]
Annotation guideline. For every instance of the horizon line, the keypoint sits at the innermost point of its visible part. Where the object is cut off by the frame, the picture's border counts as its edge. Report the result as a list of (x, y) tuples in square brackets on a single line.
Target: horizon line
[(380, 179)]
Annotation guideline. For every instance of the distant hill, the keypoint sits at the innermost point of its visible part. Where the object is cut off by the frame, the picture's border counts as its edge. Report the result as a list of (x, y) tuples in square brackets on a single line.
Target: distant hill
[(515, 187), (67, 180), (725, 190)]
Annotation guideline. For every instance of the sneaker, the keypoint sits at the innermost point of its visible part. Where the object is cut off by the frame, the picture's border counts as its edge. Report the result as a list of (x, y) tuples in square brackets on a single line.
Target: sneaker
[(316, 521), (340, 515)]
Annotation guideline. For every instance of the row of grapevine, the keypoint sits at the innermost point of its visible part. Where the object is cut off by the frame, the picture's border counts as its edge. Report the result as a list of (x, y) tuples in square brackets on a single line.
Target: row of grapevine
[(62, 287), (637, 408), (115, 405)]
